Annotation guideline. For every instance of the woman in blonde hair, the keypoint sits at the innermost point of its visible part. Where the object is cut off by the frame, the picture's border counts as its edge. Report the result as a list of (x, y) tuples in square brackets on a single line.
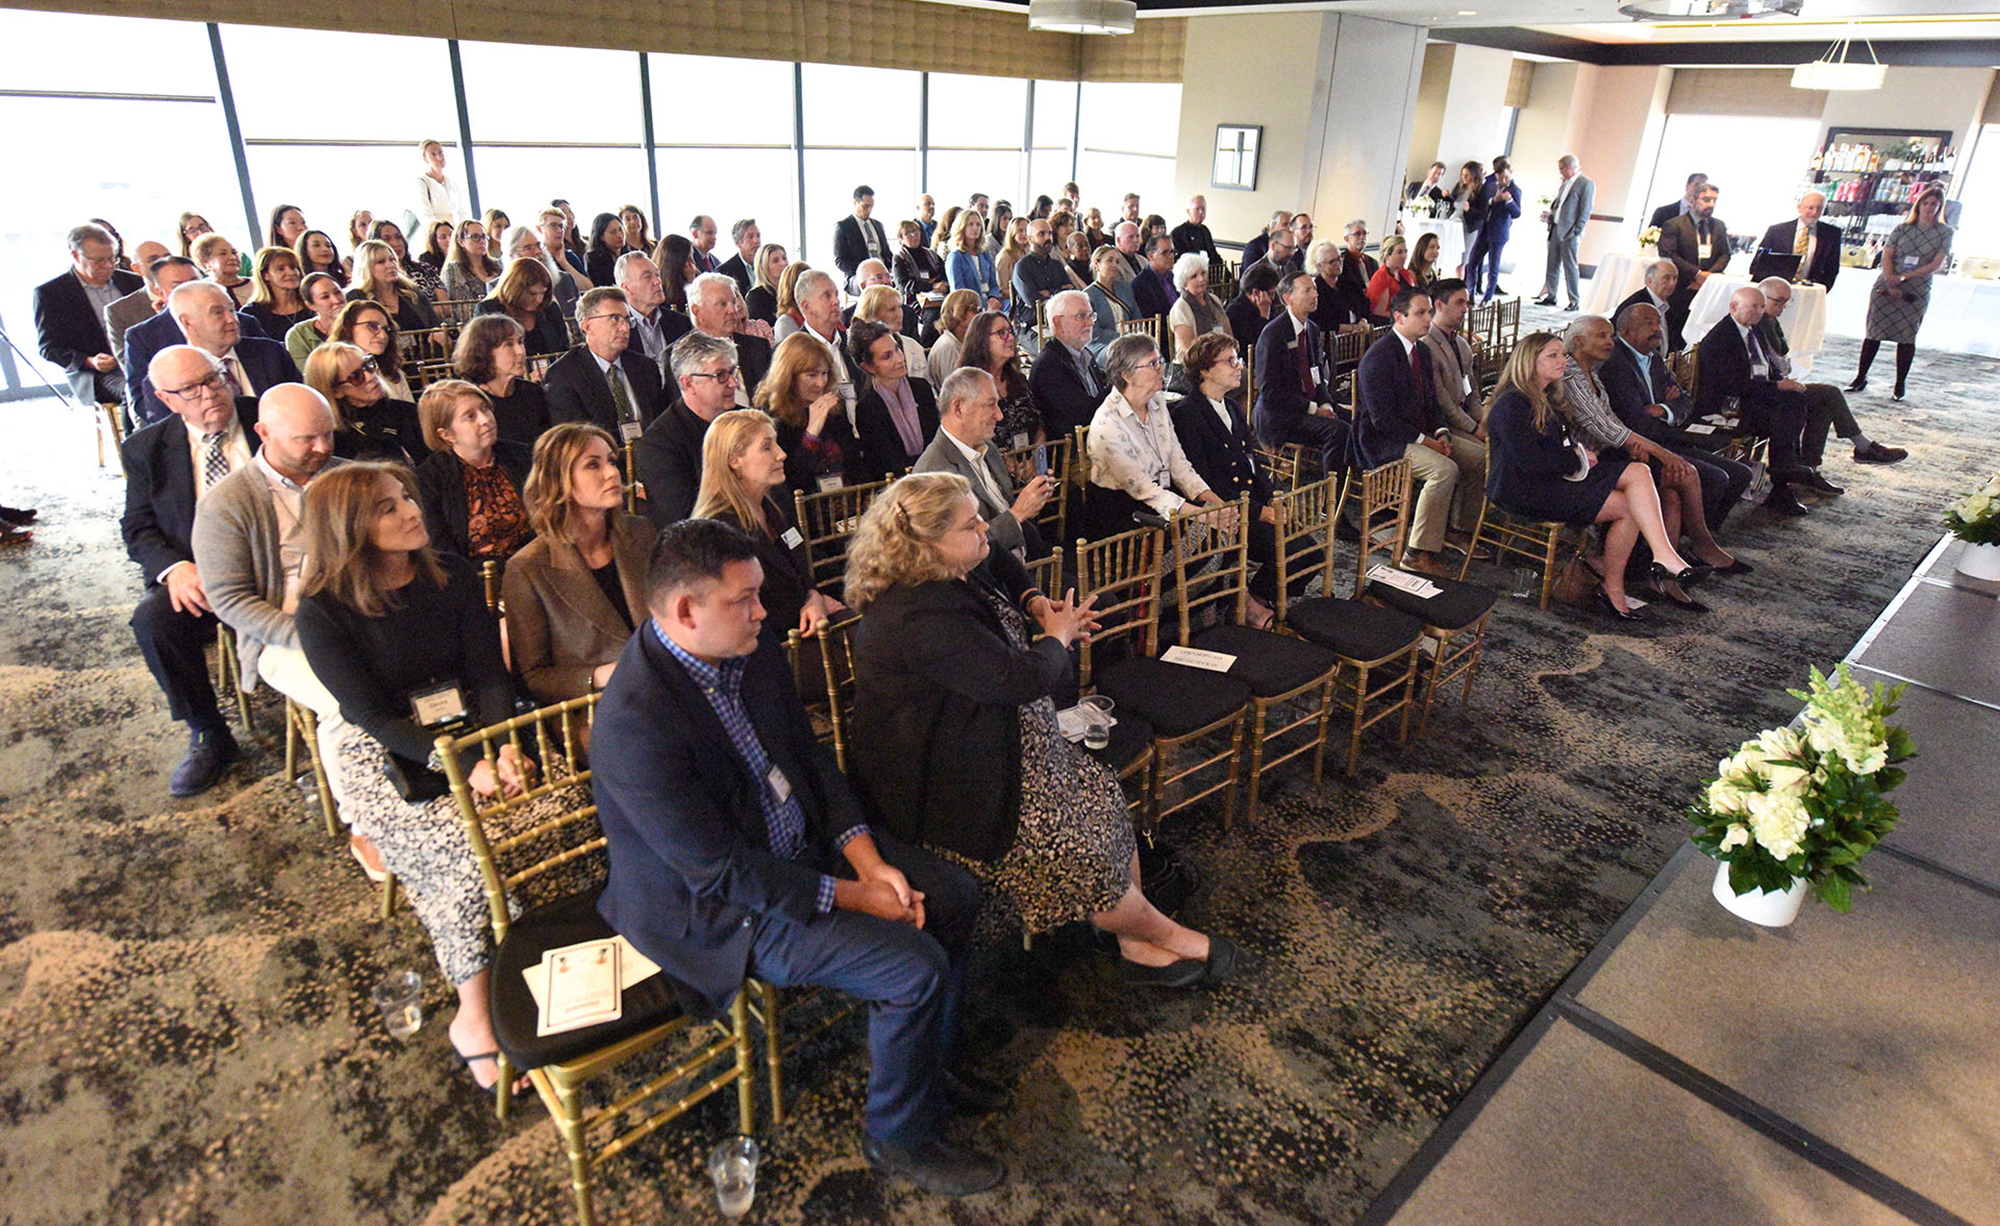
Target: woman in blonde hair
[(577, 591), (968, 266), (378, 276), (802, 395), (790, 318), (370, 424), (742, 469), (762, 300), (275, 304), (881, 304), (960, 305), (955, 739), (383, 621)]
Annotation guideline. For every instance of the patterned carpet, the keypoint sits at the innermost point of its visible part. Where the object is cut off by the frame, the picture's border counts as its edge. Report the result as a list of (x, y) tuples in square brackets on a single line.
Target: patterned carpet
[(187, 1034)]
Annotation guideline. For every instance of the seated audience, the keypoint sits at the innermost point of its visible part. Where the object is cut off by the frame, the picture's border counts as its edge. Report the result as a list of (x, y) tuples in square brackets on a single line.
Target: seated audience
[(717, 309), (1078, 250), (1093, 228), (525, 244), (742, 266), (378, 277), (814, 431), (207, 319), (956, 744), (742, 480), (880, 304), (918, 270), (667, 458), (438, 237), (1250, 309), (674, 256), (1192, 235), (1537, 469), (992, 345), (429, 285), (604, 381), (139, 305), (470, 484), (968, 266), (191, 227), (69, 316), (359, 223), (1154, 289), (1737, 373), (894, 415), (369, 327), (492, 356), (1196, 312), (1649, 402), (1281, 257), (324, 296), (762, 297), (1424, 260), (1826, 405), (382, 616), (170, 466), (219, 260), (947, 226), (369, 423), (275, 304), (1260, 243), (819, 317), (1039, 274), (575, 593), (1353, 270), (1065, 381), (1136, 462), (148, 336), (1295, 381), (637, 230), (1126, 242), (954, 317), (969, 414), (1391, 278), (525, 294), (317, 253), (1662, 278), (1455, 375), (1110, 299), (654, 327), (607, 243), (286, 227), (470, 266), (565, 263), (1010, 253), (694, 855)]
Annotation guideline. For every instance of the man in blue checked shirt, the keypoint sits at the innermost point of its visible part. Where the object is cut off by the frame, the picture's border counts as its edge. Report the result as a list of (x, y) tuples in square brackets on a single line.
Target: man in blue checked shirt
[(737, 849)]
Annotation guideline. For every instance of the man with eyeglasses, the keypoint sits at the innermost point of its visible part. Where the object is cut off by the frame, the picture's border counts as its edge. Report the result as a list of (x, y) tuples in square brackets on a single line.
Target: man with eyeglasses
[(69, 316), (555, 227), (667, 460), (654, 328), (604, 381), (169, 467), (1067, 384), (717, 310), (208, 319), (148, 337)]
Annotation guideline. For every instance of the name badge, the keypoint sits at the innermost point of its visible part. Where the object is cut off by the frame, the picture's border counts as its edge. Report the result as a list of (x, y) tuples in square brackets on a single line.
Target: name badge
[(1911, 261), (1020, 440), (1702, 250), (1465, 385), (1315, 376), (791, 539), (780, 786), (438, 705), (629, 430), (831, 481)]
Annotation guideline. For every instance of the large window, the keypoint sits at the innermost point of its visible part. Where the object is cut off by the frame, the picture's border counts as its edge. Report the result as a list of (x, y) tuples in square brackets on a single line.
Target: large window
[(975, 138), (723, 129), (1129, 136), (1979, 221), (1055, 136), (861, 128), (1758, 180)]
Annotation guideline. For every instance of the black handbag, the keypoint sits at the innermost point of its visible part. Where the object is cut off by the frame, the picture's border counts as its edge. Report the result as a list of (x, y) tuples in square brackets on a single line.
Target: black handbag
[(414, 781), (1167, 881)]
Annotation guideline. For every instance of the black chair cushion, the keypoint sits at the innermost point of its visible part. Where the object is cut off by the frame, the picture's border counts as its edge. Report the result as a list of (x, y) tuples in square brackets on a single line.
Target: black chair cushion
[(1357, 631), (1455, 607), (1130, 738), (1270, 663), (1174, 698), (648, 1003)]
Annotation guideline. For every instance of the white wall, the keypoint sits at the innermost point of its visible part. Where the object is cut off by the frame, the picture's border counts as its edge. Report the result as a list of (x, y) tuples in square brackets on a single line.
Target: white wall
[(1361, 167), (1478, 91), (1427, 123), (1947, 98)]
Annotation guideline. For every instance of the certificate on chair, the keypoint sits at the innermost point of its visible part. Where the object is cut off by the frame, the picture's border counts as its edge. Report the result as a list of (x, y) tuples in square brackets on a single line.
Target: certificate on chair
[(633, 967), (581, 987)]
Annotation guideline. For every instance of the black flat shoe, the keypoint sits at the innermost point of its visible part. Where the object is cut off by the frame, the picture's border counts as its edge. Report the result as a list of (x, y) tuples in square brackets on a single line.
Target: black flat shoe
[(1604, 602), (1686, 578), (1546, 300), (18, 515), (1782, 502), (1225, 960), (1818, 484), (1859, 385), (1181, 973), (935, 1166)]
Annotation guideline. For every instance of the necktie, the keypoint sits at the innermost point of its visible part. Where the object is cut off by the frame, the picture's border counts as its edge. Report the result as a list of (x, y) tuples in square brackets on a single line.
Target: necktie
[(1305, 363), (1803, 242), (1083, 370), (1416, 367), (214, 464), (619, 396), (231, 374), (1756, 350)]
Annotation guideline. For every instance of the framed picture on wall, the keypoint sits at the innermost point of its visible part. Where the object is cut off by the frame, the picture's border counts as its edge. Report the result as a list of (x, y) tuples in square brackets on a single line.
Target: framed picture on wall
[(1236, 156)]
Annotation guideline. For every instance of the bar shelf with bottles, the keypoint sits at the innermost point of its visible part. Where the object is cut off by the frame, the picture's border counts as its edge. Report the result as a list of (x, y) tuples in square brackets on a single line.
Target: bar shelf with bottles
[(1869, 180)]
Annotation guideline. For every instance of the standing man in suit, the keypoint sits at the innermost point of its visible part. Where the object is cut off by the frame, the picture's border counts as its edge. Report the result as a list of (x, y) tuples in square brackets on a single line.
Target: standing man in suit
[(1294, 385), (69, 315), (1662, 277), (1568, 213), (1065, 381), (1816, 244), (1698, 244), (667, 458), (859, 236), (1399, 418), (737, 849), (717, 310), (1192, 234), (209, 320), (1737, 373), (701, 233), (968, 413), (604, 381), (742, 265), (1430, 189), (170, 466), (1503, 204), (139, 305), (1678, 208)]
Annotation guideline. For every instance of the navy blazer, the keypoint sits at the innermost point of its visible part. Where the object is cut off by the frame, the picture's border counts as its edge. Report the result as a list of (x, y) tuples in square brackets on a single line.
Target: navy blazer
[(145, 339), (1397, 407), (159, 491), (1059, 390), (1282, 399), (882, 453), (1502, 207), (691, 862), (69, 329), (1522, 457), (1225, 458), (578, 391), (738, 271)]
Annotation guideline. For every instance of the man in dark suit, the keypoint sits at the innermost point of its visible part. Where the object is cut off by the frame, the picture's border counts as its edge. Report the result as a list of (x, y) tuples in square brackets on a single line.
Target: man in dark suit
[(717, 310), (1661, 279), (1192, 234), (138, 306), (1259, 244), (1065, 381), (147, 337), (667, 459), (741, 266), (894, 415), (1677, 208), (1294, 384), (206, 316), (69, 316), (1737, 373), (169, 466), (1646, 398), (859, 236), (736, 849), (1698, 244), (1250, 309), (1815, 243), (1826, 405), (1153, 288), (968, 413), (1399, 417), (701, 235), (604, 381)]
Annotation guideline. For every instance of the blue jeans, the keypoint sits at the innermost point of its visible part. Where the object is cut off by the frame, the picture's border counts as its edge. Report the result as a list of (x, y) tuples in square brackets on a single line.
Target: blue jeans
[(1483, 251)]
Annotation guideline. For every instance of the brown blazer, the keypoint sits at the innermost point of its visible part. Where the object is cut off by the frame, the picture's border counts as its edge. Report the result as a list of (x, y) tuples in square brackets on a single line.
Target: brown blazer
[(559, 625)]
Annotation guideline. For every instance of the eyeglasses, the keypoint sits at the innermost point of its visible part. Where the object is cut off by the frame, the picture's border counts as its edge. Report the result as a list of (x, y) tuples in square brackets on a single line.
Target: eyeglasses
[(201, 387), (99, 262), (724, 375), (619, 320), (1232, 360), (370, 325), (361, 374), (1009, 333), (1152, 365)]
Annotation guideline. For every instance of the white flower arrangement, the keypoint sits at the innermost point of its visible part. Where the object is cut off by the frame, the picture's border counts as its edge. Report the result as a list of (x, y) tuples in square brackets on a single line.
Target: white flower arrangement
[(1975, 518), (1649, 237)]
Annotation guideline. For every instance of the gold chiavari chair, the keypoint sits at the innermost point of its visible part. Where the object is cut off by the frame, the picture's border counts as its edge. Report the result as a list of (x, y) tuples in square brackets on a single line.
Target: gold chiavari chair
[(457, 312), (542, 855), (1537, 540), (1454, 619), (827, 519), (302, 725), (538, 366), (635, 493), (1508, 321), (1285, 673), (1182, 704), (429, 371), (111, 420), (1371, 641), (1147, 326), (1053, 457), (229, 674)]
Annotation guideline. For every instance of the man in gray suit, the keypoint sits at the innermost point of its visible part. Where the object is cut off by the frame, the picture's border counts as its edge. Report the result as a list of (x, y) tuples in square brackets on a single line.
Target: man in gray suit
[(1567, 215), (968, 412)]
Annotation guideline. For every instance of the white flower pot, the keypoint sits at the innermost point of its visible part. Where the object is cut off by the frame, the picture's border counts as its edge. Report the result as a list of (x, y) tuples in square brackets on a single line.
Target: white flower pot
[(1980, 562), (1758, 906)]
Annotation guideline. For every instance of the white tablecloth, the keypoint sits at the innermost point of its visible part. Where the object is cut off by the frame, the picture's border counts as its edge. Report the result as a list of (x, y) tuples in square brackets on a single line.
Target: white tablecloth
[(1451, 239), (1617, 276), (1964, 315), (1804, 320)]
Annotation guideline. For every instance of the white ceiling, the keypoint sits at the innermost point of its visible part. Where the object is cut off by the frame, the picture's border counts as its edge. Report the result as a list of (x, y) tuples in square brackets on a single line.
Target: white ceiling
[(1600, 20)]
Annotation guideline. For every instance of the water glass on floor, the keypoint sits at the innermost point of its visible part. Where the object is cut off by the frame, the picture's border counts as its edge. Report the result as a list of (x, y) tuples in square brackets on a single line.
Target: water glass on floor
[(1527, 582), (400, 997), (733, 1167)]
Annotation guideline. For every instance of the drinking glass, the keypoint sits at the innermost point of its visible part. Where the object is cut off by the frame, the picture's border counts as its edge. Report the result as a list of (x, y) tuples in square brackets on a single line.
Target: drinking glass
[(400, 998), (733, 1167)]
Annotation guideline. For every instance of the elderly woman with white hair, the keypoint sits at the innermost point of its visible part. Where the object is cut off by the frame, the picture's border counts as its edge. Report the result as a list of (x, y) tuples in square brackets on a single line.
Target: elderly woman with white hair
[(1196, 311), (1136, 461)]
